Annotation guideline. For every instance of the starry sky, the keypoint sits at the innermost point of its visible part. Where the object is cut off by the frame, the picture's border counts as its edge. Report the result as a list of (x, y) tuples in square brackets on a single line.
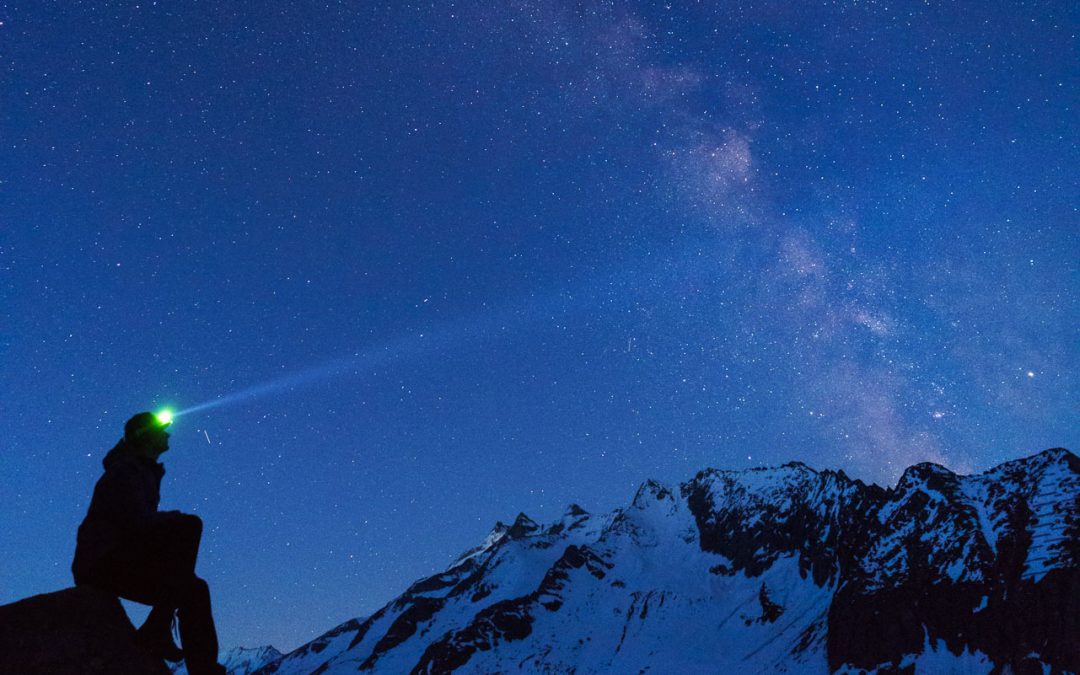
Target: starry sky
[(437, 264)]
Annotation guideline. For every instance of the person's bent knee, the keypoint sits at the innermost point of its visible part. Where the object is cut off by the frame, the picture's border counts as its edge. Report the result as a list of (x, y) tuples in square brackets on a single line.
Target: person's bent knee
[(187, 589), (197, 595), (191, 526)]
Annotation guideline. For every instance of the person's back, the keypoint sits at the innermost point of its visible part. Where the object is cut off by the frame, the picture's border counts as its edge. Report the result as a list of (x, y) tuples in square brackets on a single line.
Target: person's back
[(128, 547), (125, 501)]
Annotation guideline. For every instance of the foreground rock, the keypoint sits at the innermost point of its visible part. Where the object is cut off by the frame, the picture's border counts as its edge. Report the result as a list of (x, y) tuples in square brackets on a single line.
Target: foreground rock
[(77, 631)]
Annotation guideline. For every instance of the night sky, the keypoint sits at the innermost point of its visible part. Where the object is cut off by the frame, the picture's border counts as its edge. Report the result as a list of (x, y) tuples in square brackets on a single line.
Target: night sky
[(485, 258)]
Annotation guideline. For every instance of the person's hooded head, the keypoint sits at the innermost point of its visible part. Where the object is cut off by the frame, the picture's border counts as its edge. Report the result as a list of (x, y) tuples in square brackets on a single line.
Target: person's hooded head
[(147, 435)]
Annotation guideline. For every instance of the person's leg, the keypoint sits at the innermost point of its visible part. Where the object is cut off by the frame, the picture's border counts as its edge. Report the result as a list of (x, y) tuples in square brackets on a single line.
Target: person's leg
[(155, 634), (157, 568), (136, 571), (145, 566), (159, 620), (197, 631), (176, 540), (181, 537), (178, 537), (130, 571)]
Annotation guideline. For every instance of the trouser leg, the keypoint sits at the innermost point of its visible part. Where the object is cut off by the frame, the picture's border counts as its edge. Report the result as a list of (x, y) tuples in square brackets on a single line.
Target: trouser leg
[(198, 634), (181, 538), (159, 620), (158, 568), (197, 631), (177, 543)]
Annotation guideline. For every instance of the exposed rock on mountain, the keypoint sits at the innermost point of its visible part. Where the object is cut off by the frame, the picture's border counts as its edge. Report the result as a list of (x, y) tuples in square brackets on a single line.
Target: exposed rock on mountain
[(784, 569)]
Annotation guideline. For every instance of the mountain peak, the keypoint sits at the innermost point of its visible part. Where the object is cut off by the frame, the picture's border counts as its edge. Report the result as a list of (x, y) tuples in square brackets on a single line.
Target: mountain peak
[(573, 518), (1057, 454), (1054, 456), (493, 537), (929, 474), (651, 491), (575, 511), (523, 527)]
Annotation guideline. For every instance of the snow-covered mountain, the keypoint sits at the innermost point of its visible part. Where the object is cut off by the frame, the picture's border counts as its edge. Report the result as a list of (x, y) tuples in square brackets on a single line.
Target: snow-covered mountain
[(782, 569), (240, 660)]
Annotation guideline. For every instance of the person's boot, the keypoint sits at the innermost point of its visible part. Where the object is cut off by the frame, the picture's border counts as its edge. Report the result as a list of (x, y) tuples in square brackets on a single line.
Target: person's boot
[(155, 635)]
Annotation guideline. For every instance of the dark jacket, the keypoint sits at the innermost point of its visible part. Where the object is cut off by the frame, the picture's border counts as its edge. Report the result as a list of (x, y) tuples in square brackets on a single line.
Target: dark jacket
[(124, 504)]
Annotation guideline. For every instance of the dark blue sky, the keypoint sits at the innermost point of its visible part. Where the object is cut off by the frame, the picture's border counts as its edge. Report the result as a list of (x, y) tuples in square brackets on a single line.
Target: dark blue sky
[(508, 259)]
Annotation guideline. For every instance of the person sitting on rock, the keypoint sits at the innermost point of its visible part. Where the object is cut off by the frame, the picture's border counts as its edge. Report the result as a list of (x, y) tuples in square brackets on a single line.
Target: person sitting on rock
[(127, 547)]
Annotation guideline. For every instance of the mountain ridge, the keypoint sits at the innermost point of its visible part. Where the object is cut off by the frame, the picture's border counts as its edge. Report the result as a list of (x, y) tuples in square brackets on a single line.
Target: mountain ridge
[(781, 569)]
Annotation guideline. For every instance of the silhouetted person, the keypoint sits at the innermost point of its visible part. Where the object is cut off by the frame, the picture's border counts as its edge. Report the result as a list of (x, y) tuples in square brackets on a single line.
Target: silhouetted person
[(129, 548)]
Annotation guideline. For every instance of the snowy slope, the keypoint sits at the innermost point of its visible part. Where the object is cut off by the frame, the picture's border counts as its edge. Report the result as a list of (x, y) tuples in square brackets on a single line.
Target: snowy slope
[(240, 660), (784, 569)]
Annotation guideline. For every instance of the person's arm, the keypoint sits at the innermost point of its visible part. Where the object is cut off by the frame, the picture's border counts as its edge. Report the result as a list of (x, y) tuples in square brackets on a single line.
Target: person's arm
[(126, 498)]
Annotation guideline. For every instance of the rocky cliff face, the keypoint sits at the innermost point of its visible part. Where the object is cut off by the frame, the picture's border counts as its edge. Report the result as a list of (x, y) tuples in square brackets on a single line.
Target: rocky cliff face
[(984, 563), (768, 570)]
